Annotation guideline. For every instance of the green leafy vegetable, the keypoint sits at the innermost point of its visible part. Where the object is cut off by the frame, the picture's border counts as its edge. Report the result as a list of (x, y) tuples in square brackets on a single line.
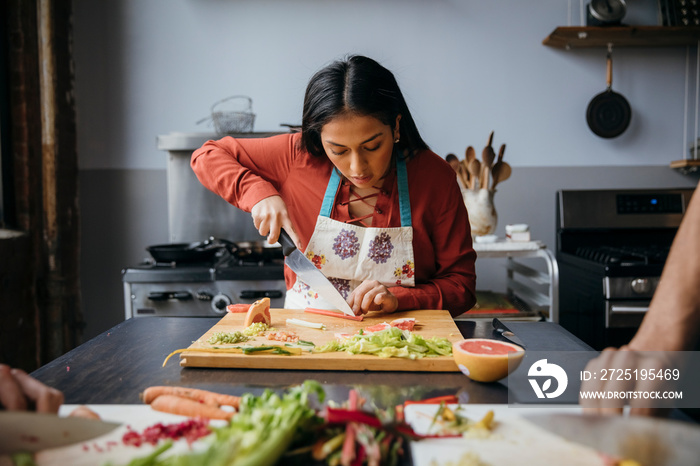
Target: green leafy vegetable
[(391, 343)]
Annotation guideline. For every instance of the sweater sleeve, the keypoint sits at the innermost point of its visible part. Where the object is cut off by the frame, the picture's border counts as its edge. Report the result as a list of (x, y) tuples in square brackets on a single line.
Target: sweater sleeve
[(246, 170)]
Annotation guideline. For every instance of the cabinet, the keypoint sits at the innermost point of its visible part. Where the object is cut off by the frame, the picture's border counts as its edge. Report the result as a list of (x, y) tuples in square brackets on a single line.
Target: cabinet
[(573, 37), (538, 289)]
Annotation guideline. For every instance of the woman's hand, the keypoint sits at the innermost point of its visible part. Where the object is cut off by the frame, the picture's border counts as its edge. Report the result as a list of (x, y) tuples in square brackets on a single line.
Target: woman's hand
[(372, 296), (269, 216), (20, 392)]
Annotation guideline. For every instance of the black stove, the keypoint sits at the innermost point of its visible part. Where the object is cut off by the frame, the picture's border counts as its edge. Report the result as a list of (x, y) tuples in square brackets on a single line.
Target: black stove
[(611, 249), (204, 288)]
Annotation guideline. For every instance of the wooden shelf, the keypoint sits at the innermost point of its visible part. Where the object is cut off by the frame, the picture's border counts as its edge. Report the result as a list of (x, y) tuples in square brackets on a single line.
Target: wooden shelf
[(571, 37), (686, 166)]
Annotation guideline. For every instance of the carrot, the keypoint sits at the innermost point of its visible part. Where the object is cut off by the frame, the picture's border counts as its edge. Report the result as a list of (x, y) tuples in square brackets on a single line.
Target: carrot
[(325, 312), (201, 396), (174, 404)]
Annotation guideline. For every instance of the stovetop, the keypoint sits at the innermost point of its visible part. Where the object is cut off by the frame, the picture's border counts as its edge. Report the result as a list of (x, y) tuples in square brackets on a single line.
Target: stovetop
[(623, 256), (226, 266)]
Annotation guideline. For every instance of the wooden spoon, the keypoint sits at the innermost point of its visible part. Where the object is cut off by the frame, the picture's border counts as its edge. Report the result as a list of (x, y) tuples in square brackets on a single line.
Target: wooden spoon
[(466, 176), (501, 151), (488, 157), (471, 154), (501, 172), (475, 172)]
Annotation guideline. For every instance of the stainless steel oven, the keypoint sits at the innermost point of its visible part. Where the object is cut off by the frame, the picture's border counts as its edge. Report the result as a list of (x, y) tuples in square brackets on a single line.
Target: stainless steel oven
[(611, 249)]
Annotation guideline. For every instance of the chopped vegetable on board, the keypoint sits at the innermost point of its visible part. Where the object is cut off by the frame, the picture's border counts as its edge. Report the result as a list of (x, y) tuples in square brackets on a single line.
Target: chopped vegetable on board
[(391, 343)]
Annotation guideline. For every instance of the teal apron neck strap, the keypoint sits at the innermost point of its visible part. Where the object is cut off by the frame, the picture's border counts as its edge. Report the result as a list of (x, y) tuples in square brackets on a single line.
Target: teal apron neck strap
[(401, 179)]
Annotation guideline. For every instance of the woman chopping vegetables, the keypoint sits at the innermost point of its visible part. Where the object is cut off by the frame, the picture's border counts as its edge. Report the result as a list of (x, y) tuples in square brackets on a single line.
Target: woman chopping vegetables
[(359, 191)]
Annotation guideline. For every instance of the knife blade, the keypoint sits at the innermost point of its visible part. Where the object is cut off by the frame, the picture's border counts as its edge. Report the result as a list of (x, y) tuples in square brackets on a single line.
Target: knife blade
[(646, 440), (25, 431), (500, 328), (311, 275)]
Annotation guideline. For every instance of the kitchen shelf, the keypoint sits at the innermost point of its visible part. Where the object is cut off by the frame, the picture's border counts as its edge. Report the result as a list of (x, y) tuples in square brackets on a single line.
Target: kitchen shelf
[(570, 37), (686, 166)]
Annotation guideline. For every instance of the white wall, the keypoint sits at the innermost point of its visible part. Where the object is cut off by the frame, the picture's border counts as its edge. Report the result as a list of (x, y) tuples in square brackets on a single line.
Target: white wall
[(467, 67)]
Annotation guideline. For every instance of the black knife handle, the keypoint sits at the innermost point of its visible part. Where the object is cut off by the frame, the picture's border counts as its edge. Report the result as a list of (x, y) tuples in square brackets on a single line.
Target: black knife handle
[(498, 325), (285, 240)]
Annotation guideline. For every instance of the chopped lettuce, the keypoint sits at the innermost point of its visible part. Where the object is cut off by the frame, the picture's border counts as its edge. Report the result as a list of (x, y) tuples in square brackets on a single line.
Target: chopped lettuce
[(391, 343)]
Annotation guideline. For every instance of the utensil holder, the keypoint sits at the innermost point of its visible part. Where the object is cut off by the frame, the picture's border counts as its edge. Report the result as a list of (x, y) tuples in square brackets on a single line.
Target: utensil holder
[(482, 212)]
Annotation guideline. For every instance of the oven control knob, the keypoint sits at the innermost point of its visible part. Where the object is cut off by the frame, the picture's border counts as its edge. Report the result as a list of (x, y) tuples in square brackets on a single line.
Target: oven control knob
[(641, 285), (219, 303)]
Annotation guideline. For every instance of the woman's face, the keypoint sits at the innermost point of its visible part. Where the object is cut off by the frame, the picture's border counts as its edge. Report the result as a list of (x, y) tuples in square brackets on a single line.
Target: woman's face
[(360, 147)]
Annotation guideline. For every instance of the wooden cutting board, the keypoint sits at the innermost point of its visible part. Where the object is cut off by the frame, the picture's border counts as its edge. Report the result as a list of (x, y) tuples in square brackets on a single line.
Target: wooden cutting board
[(430, 323)]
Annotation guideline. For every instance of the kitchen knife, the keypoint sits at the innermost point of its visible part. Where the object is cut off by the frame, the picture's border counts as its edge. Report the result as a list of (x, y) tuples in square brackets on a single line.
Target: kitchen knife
[(25, 431), (643, 439), (502, 330), (311, 275)]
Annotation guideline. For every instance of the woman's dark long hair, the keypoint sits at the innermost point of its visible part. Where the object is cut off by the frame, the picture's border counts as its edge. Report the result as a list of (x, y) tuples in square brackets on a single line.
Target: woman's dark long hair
[(357, 85)]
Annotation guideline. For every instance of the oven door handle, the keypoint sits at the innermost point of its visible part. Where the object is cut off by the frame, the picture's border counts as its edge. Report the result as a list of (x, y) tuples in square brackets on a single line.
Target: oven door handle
[(624, 309), (626, 314)]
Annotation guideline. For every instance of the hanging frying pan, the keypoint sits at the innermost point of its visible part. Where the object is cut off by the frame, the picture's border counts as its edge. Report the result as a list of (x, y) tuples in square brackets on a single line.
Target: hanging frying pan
[(609, 113)]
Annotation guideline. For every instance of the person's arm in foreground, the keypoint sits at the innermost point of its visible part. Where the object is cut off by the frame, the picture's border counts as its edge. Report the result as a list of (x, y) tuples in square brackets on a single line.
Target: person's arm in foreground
[(672, 322)]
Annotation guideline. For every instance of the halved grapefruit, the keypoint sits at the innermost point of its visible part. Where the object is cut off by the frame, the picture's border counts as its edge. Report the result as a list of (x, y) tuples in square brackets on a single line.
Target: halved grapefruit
[(486, 360)]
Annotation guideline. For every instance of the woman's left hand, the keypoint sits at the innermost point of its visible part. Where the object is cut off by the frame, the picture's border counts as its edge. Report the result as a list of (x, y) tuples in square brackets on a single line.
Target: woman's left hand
[(372, 296)]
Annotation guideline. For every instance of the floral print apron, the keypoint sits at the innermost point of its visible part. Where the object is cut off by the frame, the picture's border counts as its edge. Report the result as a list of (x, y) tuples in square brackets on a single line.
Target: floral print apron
[(349, 254)]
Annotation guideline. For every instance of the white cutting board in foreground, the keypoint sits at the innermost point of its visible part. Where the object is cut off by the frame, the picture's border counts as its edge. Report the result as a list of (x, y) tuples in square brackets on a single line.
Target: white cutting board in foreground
[(512, 441), (109, 448)]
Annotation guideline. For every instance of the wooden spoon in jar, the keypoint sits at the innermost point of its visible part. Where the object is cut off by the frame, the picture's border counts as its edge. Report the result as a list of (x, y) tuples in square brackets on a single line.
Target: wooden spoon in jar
[(470, 154), (475, 173), (501, 172)]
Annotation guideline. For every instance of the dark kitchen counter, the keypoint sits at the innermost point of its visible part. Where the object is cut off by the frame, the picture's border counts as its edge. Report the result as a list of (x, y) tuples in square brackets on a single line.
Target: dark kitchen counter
[(115, 366)]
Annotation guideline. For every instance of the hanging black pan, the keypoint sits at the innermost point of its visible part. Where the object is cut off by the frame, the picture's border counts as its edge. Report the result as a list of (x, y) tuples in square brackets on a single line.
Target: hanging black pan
[(609, 113)]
